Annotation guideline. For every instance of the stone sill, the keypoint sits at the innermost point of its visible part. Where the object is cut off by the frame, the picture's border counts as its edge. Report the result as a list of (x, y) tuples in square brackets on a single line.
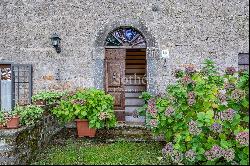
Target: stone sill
[(13, 132)]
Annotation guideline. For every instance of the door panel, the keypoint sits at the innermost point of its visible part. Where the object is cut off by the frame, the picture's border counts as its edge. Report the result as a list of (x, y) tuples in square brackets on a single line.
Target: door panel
[(118, 98), (114, 76)]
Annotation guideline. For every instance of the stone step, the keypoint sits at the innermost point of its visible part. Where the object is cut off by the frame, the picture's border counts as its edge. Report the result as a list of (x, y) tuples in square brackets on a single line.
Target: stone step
[(6, 133), (135, 89), (131, 109), (125, 133), (6, 151), (7, 154), (140, 119), (124, 130), (135, 123), (132, 94), (5, 147), (8, 160), (130, 131), (134, 102)]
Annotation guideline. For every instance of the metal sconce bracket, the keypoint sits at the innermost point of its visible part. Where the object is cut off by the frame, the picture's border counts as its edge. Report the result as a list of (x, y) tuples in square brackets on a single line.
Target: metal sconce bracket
[(56, 41)]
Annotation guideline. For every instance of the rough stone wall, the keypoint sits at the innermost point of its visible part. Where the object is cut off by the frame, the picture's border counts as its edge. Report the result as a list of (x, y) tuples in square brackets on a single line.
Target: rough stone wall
[(20, 146), (192, 30)]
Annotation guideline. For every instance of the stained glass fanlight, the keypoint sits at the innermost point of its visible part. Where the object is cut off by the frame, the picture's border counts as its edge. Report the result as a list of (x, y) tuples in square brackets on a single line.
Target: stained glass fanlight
[(125, 37)]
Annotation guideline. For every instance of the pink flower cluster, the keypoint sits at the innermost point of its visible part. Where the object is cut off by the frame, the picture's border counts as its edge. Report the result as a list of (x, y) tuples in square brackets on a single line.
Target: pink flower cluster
[(191, 98), (177, 73), (217, 152), (190, 69), (229, 154), (237, 94), (230, 70), (214, 152), (153, 122), (187, 80), (227, 115), (168, 149), (193, 128), (222, 96), (229, 86), (103, 115), (216, 127), (243, 138), (190, 155), (78, 101), (176, 157), (169, 111), (152, 108)]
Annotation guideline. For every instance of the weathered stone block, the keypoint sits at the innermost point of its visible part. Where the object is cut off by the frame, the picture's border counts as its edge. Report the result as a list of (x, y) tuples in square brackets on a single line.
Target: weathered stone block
[(19, 146)]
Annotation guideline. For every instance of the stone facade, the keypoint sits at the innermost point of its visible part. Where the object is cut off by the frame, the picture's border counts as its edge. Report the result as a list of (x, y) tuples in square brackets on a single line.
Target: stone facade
[(191, 30)]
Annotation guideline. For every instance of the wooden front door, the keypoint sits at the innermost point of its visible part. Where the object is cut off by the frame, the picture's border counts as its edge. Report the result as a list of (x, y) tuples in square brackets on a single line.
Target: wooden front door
[(114, 79)]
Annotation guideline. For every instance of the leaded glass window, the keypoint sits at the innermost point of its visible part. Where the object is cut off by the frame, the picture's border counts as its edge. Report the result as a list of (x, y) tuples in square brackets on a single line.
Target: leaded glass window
[(125, 37)]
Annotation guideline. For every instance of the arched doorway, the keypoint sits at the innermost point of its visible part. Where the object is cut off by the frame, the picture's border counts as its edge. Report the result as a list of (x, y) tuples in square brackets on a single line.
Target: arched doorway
[(125, 71)]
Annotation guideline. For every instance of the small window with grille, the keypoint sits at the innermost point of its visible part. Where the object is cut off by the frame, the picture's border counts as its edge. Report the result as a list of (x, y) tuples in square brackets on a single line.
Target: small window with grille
[(15, 85), (243, 61)]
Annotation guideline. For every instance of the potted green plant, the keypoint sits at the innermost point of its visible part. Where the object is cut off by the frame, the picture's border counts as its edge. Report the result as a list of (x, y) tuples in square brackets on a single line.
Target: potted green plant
[(29, 114), (2, 120), (90, 108), (12, 119)]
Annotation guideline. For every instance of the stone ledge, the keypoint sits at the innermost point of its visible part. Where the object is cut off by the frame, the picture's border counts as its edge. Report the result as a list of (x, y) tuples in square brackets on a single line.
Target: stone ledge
[(120, 125), (19, 146), (8, 160), (11, 132), (124, 125), (121, 131)]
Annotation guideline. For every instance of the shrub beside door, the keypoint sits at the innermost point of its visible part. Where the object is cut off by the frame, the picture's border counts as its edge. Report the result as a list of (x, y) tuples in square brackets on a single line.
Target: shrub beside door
[(88, 107)]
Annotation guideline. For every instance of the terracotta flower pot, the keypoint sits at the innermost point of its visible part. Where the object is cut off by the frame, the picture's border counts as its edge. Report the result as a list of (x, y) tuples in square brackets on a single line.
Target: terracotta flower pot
[(13, 123), (83, 128), (1, 126)]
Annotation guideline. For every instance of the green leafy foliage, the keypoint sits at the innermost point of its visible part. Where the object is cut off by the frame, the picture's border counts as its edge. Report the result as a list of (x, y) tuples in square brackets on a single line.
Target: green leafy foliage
[(205, 112), (6, 116), (145, 96), (29, 114), (48, 96), (91, 104), (2, 119)]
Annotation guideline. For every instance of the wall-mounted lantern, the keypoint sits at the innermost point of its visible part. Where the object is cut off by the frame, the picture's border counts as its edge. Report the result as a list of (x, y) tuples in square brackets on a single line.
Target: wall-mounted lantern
[(56, 40)]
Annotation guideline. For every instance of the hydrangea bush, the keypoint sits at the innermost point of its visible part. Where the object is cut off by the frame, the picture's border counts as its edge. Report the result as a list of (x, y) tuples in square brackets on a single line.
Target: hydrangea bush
[(91, 104), (204, 116)]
